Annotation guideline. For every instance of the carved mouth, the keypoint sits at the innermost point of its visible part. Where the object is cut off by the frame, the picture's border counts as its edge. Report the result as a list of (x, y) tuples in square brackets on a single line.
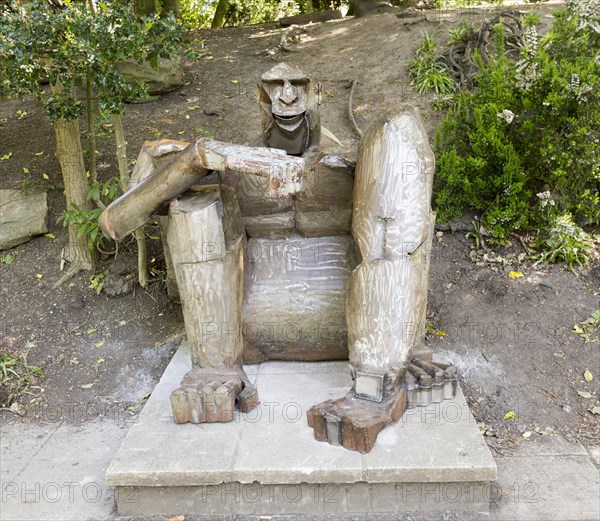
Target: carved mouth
[(288, 118)]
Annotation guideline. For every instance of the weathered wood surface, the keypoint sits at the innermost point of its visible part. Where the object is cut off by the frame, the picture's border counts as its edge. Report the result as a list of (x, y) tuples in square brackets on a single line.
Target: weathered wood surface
[(136, 207), (391, 223), (294, 299), (22, 216), (206, 241)]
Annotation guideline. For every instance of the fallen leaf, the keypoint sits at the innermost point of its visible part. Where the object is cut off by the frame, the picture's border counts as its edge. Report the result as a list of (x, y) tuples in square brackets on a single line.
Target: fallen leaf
[(235, 82), (510, 415), (527, 434), (584, 394), (100, 361), (38, 154), (595, 409), (39, 275), (439, 332), (175, 518), (46, 177), (194, 107), (91, 330), (25, 170), (588, 376), (50, 236), (514, 274), (6, 156), (86, 386), (99, 344)]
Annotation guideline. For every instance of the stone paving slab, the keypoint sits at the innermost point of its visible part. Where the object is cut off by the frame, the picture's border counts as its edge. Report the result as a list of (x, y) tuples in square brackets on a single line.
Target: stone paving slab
[(274, 446), (56, 471), (547, 479)]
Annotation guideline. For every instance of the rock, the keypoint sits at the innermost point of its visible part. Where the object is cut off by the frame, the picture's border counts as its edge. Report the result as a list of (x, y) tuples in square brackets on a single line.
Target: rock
[(168, 75), (118, 285), (362, 8), (22, 216), (308, 18)]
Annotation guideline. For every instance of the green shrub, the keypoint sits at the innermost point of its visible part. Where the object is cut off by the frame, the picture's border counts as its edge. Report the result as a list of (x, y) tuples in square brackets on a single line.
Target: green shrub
[(429, 69), (522, 149)]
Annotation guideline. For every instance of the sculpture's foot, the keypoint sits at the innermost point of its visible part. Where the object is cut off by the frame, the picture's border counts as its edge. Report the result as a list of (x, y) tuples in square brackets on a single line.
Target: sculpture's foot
[(209, 395), (354, 423), (374, 401), (428, 382)]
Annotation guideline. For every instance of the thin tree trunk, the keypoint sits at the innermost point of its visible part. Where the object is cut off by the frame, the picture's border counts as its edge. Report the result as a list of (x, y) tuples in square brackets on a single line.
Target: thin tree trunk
[(70, 156), (219, 18), (121, 150), (91, 124), (171, 6), (140, 237)]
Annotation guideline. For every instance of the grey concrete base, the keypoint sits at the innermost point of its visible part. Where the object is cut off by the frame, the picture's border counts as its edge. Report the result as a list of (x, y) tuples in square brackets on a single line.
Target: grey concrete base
[(306, 498), (267, 461)]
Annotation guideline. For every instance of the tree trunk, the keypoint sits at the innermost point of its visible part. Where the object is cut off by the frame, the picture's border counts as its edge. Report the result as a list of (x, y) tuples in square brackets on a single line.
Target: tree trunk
[(91, 124), (171, 6), (70, 156), (124, 175), (221, 11), (145, 7)]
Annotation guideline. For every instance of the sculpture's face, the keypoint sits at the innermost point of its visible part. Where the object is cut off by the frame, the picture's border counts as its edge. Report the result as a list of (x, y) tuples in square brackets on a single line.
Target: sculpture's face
[(290, 101), (288, 98)]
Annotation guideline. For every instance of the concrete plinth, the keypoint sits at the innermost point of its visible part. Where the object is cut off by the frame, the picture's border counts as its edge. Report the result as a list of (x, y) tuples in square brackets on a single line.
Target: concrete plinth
[(267, 461)]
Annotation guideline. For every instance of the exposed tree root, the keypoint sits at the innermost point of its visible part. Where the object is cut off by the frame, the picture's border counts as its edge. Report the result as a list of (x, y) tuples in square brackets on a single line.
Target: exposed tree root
[(350, 113)]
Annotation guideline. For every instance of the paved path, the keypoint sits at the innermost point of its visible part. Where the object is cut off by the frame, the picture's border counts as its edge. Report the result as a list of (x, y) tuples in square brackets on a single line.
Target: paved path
[(56, 472)]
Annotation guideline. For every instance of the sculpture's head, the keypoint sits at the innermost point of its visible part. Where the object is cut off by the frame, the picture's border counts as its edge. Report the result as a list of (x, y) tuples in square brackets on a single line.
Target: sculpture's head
[(290, 102)]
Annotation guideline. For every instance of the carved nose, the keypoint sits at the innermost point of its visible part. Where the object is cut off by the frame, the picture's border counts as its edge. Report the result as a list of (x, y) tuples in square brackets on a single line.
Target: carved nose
[(289, 93)]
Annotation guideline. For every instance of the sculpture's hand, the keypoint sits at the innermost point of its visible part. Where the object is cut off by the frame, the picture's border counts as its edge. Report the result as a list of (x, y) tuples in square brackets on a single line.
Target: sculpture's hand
[(283, 172)]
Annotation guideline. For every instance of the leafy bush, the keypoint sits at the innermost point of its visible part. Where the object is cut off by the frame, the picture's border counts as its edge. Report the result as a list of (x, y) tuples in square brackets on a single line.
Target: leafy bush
[(198, 14), (63, 47), (522, 149)]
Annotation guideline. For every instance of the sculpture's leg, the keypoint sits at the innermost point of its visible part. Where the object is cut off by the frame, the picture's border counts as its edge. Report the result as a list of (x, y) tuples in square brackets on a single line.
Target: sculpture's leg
[(387, 293), (206, 240)]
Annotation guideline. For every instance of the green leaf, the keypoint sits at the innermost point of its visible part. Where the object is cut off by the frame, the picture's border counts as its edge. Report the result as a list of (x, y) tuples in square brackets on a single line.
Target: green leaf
[(588, 375), (510, 415), (584, 394)]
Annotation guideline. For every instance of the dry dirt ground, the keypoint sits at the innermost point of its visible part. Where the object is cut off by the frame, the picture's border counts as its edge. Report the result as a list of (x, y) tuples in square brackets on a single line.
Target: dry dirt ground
[(512, 339)]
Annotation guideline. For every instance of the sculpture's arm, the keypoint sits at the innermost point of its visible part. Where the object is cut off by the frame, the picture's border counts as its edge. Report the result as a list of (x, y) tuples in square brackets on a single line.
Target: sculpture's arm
[(135, 207)]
